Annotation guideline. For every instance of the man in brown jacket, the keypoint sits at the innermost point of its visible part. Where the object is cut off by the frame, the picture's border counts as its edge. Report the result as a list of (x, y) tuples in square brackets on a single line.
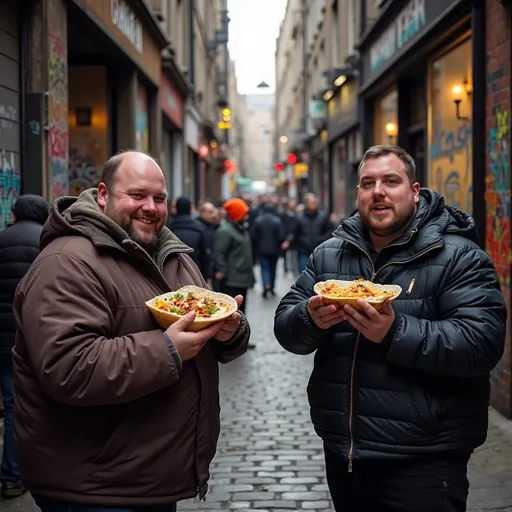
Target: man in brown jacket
[(110, 411)]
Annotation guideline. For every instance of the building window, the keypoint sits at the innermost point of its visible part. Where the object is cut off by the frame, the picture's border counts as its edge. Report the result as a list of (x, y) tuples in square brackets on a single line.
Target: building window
[(386, 119), (450, 170)]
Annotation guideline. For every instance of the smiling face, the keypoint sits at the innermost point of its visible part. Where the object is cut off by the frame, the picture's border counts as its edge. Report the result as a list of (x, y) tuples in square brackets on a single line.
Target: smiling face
[(137, 199), (386, 198)]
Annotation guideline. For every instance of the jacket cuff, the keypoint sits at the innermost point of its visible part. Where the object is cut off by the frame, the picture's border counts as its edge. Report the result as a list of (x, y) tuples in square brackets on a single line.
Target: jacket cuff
[(174, 352), (308, 321), (390, 335), (237, 338)]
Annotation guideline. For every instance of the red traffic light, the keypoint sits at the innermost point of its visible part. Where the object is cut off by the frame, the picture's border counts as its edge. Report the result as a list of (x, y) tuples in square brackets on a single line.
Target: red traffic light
[(279, 166), (292, 158)]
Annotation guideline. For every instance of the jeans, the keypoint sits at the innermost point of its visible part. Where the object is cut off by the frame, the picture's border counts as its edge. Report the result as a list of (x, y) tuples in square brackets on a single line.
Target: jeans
[(47, 505), (290, 260), (419, 485), (303, 260), (268, 265), (9, 471)]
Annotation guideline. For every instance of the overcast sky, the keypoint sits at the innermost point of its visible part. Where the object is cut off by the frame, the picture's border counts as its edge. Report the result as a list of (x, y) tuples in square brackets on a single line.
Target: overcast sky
[(253, 31)]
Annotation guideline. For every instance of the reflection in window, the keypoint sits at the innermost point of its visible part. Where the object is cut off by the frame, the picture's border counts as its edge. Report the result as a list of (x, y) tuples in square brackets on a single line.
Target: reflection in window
[(450, 169), (386, 119)]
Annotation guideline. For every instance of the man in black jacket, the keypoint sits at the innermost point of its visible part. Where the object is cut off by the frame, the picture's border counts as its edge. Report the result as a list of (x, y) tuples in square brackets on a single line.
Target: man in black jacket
[(192, 233), (19, 247), (399, 397)]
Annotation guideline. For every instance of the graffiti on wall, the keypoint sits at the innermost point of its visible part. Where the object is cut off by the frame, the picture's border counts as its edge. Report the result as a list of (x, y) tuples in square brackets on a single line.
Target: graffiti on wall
[(10, 184), (450, 164), (83, 172), (58, 113), (497, 233), (497, 197), (141, 120)]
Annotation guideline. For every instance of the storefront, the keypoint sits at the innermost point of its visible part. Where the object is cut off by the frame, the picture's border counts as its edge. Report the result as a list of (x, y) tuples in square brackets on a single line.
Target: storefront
[(344, 142), (113, 76), (171, 102), (10, 110), (417, 91)]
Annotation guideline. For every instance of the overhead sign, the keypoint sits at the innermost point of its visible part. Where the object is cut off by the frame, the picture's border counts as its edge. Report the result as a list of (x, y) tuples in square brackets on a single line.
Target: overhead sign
[(404, 27)]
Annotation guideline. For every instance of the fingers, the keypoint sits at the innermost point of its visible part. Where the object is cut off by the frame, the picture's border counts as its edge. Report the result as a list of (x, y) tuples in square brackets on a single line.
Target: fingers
[(239, 299), (185, 321), (355, 318), (315, 302), (387, 308), (210, 331)]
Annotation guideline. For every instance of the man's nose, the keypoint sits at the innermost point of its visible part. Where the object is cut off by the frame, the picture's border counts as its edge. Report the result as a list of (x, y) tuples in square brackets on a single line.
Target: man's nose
[(378, 189), (149, 205)]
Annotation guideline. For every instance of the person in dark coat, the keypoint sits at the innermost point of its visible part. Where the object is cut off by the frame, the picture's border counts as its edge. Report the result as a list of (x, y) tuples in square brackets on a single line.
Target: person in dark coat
[(268, 235), (192, 233), (19, 247), (400, 397)]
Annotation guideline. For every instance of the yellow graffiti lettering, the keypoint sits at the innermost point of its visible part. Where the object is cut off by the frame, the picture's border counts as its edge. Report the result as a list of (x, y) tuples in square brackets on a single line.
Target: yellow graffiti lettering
[(502, 128)]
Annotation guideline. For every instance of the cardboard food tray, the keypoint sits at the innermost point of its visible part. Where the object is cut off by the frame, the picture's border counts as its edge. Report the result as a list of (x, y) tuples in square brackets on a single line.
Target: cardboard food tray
[(377, 303), (165, 318)]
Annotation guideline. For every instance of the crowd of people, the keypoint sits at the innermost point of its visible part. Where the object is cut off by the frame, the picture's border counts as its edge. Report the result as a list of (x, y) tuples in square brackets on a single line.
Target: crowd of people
[(110, 411)]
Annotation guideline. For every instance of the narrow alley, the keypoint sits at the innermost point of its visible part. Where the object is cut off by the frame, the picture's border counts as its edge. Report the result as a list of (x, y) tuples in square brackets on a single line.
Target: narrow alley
[(269, 457)]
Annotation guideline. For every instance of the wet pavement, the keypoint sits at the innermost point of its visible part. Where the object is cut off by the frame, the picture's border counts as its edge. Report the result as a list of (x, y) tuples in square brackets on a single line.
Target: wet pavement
[(269, 457)]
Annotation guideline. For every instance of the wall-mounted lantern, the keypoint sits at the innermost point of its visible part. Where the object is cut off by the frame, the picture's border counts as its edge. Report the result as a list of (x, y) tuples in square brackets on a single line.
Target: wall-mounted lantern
[(459, 91)]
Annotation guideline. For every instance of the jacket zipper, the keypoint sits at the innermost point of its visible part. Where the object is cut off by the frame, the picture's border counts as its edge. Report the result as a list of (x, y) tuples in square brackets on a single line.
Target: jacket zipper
[(353, 366)]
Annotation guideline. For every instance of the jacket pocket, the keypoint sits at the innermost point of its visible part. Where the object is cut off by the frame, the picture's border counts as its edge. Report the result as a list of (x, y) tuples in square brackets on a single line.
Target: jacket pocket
[(115, 448), (426, 407)]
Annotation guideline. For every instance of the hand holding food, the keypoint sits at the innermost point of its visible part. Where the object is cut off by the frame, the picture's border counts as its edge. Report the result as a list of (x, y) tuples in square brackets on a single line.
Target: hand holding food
[(189, 343), (230, 326), (373, 325), (323, 315)]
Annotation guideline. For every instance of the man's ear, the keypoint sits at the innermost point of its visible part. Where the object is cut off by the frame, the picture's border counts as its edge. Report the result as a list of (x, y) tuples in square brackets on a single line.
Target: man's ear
[(102, 195)]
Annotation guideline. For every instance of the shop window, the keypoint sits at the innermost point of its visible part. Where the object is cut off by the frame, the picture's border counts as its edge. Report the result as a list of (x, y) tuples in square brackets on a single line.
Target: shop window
[(142, 120), (386, 119), (88, 126), (450, 169)]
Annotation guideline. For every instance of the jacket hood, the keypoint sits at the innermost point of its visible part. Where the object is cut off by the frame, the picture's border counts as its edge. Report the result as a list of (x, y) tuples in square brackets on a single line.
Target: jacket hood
[(81, 216), (433, 217), (31, 207)]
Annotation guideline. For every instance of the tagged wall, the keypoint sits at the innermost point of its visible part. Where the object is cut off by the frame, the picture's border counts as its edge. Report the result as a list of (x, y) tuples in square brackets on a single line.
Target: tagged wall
[(58, 100), (497, 235)]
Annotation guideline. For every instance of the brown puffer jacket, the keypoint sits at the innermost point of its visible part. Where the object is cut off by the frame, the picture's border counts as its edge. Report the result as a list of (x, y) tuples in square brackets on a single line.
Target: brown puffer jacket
[(103, 414)]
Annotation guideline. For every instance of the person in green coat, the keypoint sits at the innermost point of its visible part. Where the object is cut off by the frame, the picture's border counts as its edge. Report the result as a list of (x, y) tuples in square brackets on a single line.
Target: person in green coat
[(233, 252)]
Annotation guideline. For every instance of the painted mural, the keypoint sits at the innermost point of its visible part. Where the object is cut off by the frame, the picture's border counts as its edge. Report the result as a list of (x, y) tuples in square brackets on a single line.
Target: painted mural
[(10, 183), (58, 113)]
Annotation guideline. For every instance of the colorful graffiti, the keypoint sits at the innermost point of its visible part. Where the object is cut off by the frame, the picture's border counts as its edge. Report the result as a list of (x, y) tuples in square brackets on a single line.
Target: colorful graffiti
[(58, 113), (10, 183), (497, 235), (141, 120), (83, 173), (450, 164)]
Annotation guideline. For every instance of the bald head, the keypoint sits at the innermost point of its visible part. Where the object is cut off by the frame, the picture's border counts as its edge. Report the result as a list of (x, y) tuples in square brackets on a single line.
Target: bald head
[(135, 159), (208, 212)]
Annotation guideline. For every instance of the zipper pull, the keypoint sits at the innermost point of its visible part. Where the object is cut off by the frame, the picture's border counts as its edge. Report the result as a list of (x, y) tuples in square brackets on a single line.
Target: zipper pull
[(350, 465), (373, 276)]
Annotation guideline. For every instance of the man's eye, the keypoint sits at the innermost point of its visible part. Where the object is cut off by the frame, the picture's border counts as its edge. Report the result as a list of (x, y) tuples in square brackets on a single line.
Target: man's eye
[(159, 199), (136, 196)]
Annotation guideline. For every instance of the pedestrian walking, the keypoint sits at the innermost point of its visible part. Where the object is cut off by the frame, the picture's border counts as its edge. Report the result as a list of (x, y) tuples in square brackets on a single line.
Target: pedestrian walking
[(19, 247), (399, 397), (112, 412)]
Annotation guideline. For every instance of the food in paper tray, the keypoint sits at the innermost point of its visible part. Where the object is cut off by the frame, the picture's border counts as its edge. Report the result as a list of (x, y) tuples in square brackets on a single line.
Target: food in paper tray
[(349, 292), (209, 306)]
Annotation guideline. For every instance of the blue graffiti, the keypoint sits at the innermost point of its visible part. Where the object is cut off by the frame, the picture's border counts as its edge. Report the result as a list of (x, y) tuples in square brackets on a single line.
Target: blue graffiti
[(498, 154), (451, 187), (448, 144), (10, 184)]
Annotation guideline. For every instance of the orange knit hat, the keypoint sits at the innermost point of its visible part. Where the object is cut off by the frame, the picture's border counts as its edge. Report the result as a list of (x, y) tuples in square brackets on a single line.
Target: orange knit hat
[(236, 209)]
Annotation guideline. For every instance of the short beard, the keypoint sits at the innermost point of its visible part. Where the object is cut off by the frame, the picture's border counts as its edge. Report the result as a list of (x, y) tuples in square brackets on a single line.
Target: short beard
[(148, 247)]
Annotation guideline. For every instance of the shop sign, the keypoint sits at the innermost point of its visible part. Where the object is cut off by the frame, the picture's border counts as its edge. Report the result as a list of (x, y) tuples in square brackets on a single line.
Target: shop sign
[(125, 20), (171, 102), (404, 28)]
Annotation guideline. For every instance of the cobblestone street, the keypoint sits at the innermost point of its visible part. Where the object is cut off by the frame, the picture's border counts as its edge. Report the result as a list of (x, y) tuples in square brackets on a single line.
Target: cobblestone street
[(269, 457)]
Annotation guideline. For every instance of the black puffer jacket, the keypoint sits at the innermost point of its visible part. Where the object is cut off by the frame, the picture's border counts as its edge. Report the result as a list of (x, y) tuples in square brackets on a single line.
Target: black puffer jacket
[(19, 247), (425, 389), (311, 229), (268, 233)]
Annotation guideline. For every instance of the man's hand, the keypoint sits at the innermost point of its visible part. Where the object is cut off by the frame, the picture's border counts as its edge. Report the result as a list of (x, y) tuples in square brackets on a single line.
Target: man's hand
[(219, 276), (324, 316), (231, 324), (285, 245), (188, 343), (372, 325)]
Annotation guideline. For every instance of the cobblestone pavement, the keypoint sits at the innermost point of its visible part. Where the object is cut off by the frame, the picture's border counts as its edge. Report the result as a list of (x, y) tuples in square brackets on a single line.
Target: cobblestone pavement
[(269, 458)]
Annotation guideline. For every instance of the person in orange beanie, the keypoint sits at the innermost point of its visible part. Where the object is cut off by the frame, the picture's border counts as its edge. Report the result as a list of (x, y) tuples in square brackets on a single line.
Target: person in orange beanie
[(233, 251)]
